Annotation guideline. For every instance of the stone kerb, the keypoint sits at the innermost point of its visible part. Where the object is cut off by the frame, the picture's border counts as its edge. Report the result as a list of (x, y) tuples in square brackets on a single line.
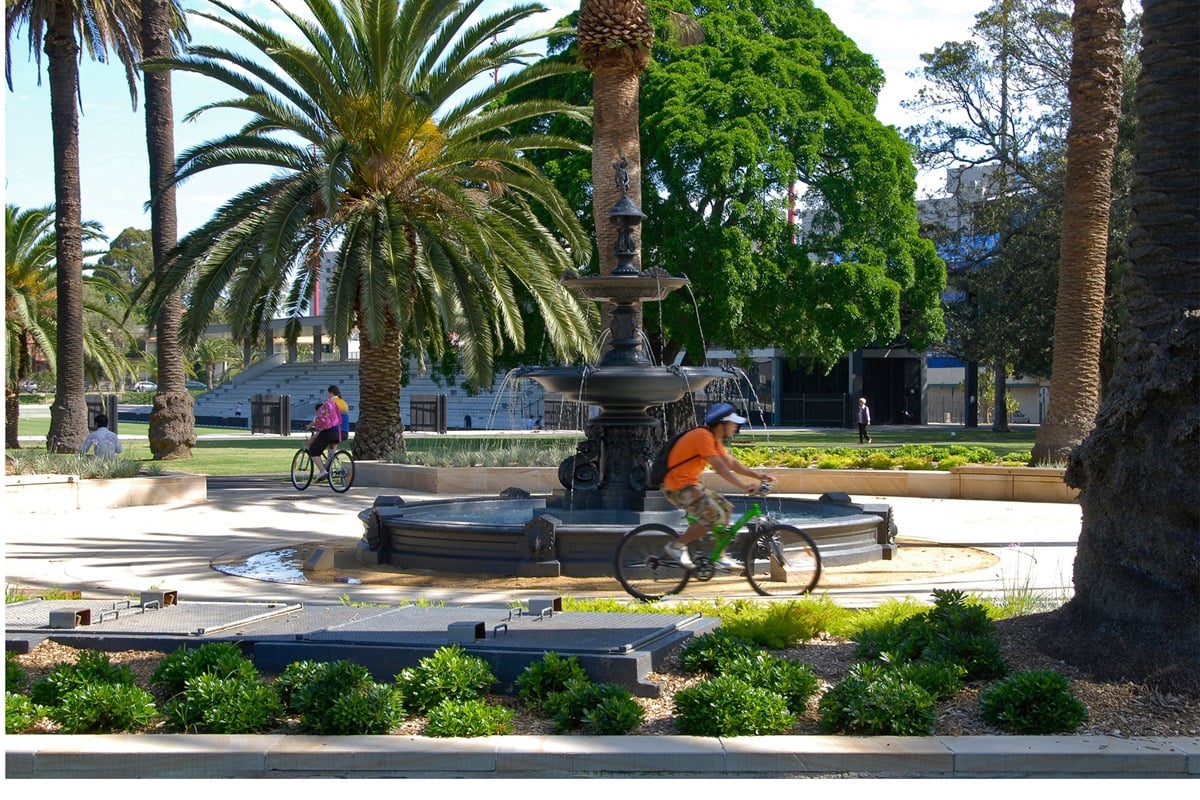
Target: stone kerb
[(1026, 484), (39, 492)]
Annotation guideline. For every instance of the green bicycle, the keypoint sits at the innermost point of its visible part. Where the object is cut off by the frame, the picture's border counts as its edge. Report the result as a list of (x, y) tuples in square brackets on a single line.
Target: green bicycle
[(779, 559)]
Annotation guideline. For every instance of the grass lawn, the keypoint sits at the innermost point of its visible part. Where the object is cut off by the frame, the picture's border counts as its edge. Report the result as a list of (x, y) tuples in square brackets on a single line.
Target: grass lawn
[(238, 452)]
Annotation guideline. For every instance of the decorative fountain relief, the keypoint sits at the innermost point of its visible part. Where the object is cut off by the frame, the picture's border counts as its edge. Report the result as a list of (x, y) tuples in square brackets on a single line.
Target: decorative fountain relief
[(576, 532)]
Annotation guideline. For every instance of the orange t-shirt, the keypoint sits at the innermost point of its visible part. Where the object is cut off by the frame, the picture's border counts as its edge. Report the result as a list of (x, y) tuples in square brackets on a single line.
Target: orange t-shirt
[(691, 453)]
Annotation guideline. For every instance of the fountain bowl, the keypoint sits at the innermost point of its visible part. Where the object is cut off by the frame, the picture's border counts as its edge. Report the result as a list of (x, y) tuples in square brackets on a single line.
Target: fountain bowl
[(523, 535)]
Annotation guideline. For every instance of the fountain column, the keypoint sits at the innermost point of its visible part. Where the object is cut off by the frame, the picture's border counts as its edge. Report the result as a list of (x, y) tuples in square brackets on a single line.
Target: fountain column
[(609, 469)]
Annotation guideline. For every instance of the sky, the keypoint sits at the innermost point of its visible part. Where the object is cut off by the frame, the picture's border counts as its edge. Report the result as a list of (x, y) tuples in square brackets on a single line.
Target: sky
[(114, 174)]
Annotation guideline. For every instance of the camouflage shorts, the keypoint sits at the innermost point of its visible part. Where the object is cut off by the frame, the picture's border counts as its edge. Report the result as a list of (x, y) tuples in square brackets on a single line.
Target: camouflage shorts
[(703, 505)]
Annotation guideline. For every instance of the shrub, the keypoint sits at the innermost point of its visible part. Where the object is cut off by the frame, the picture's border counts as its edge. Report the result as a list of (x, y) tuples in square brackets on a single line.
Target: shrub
[(92, 669), (15, 676), (220, 659), (831, 461), (375, 709), (953, 631), (20, 713), (468, 718), (726, 705), (1033, 702), (104, 708), (775, 626), (542, 678), (614, 716), (879, 459), (449, 674), (340, 697), (570, 707), (794, 681), (871, 701), (950, 462), (703, 654), (295, 677), (210, 704)]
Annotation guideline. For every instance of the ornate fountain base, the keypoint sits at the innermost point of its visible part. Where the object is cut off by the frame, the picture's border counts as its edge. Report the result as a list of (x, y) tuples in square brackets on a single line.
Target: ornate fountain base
[(532, 536)]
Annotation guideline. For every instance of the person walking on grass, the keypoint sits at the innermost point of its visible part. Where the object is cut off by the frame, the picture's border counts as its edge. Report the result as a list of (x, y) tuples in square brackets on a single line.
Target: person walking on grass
[(863, 417), (701, 447)]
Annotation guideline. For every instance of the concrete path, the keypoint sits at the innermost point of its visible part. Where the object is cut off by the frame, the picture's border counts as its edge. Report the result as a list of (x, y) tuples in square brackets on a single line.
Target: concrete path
[(115, 552)]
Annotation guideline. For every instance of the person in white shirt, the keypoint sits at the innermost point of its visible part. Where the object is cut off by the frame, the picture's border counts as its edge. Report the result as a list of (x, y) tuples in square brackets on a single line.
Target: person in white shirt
[(105, 442)]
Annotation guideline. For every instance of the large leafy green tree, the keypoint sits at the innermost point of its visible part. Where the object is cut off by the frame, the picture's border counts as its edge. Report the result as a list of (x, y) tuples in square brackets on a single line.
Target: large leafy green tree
[(59, 28), (385, 150), (1095, 93), (1136, 610), (30, 308), (775, 96)]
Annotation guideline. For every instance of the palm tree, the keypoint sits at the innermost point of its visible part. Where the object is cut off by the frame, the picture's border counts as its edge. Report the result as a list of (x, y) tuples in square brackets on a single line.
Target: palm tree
[(615, 37), (172, 419), (30, 303), (1137, 598), (1094, 89), (392, 157), (58, 27), (210, 352)]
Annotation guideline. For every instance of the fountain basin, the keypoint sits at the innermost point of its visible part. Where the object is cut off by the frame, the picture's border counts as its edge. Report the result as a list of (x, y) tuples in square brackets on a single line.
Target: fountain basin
[(535, 537)]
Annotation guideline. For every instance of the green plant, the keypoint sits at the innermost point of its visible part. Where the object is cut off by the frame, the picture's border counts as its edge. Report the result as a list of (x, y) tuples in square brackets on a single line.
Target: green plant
[(793, 680), (104, 708), (15, 676), (776, 626), (295, 677), (361, 711), (1033, 702), (871, 701), (703, 654), (339, 697), (548, 675), (91, 669), (219, 659), (313, 686), (570, 707), (614, 716), (954, 630), (210, 704), (468, 718), (726, 705), (449, 674), (20, 712)]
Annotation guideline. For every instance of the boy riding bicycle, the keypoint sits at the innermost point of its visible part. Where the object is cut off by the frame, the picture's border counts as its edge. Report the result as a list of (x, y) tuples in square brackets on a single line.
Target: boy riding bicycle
[(695, 450)]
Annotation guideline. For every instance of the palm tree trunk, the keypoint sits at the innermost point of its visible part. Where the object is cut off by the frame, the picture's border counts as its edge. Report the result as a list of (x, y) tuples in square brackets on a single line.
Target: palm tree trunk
[(68, 414), (172, 419), (1136, 610), (379, 430), (1095, 94), (615, 133)]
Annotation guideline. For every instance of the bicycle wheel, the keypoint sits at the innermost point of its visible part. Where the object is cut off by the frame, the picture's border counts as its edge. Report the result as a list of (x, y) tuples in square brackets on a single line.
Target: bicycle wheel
[(341, 471), (302, 469), (644, 569), (782, 560)]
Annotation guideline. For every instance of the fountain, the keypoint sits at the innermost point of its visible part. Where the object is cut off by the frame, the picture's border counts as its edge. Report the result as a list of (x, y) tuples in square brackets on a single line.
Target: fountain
[(575, 532)]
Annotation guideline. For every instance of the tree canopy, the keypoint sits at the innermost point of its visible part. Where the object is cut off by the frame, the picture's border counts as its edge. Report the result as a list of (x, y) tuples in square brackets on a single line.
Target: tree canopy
[(774, 97)]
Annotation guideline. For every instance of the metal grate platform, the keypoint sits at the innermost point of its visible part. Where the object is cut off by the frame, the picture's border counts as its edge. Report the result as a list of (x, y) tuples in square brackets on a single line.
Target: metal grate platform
[(580, 632), (125, 617)]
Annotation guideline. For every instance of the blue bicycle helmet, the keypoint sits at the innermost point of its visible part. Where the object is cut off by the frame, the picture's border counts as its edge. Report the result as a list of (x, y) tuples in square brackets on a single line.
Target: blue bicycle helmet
[(723, 412)]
